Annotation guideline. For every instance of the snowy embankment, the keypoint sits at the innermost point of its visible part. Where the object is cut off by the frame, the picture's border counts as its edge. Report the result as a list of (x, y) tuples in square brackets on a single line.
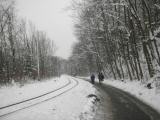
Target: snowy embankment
[(139, 90), (73, 105)]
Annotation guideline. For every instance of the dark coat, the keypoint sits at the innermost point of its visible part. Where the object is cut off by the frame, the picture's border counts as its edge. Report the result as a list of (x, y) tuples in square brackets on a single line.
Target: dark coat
[(100, 76), (92, 77)]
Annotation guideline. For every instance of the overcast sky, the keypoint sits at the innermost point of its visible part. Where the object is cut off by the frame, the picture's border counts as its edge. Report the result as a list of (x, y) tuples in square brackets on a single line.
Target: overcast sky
[(50, 16)]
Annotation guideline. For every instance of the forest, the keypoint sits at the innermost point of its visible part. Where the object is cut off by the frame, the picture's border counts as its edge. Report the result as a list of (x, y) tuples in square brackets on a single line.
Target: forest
[(25, 52), (119, 37)]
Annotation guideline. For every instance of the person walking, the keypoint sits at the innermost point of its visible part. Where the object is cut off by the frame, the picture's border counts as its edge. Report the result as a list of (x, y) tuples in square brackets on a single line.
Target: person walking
[(100, 77), (92, 78)]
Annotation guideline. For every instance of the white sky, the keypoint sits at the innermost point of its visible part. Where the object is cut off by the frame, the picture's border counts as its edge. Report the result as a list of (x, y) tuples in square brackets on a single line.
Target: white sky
[(50, 16)]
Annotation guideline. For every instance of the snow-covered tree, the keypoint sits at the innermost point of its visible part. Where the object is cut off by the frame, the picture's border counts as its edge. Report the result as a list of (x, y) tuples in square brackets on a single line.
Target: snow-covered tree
[(120, 34)]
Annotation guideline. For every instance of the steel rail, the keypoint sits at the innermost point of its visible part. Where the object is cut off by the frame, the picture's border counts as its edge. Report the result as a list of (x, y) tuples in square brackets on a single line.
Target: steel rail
[(42, 96), (69, 82)]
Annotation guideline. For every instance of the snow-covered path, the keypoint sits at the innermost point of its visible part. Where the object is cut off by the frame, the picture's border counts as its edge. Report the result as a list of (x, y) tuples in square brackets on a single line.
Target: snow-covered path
[(139, 90), (68, 106), (119, 105)]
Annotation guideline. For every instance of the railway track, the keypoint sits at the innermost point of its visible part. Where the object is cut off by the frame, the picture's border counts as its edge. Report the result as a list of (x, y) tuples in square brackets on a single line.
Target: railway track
[(18, 106)]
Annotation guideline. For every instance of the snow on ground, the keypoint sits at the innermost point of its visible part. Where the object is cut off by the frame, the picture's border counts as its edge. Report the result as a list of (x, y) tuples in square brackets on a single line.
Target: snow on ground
[(73, 105), (16, 93), (139, 90)]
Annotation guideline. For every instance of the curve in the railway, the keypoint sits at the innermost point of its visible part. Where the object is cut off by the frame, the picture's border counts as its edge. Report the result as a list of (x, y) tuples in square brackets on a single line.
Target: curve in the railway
[(34, 98)]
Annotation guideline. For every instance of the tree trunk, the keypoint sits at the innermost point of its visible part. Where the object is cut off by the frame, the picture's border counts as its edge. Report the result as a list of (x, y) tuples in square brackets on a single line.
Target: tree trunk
[(148, 59)]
